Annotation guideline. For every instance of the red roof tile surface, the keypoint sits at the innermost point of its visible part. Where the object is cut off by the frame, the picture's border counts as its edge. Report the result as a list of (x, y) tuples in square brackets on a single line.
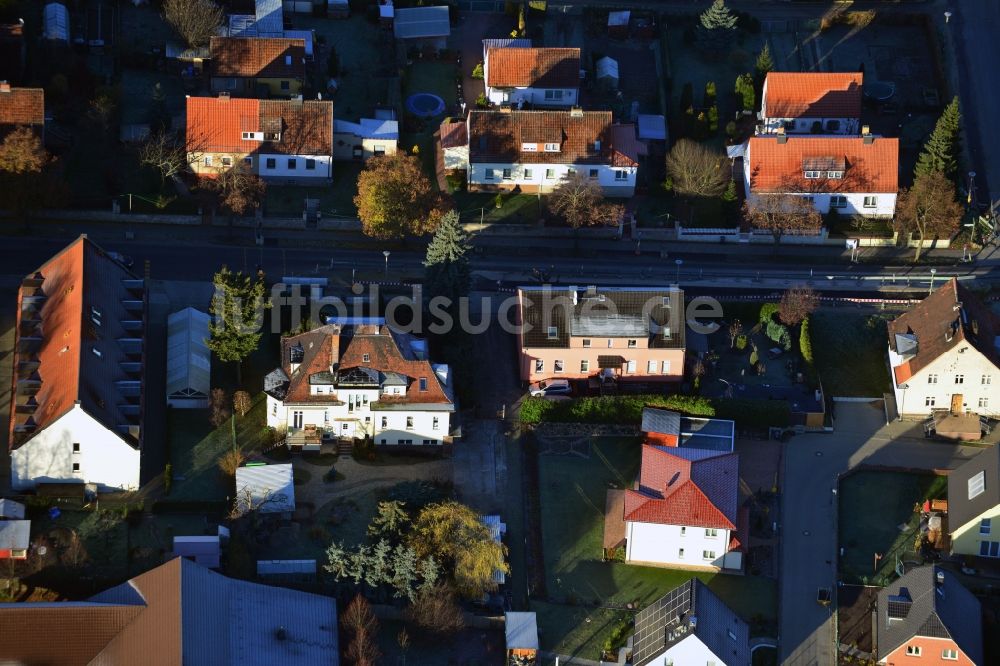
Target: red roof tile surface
[(216, 125), (685, 487), (780, 167), (258, 57), (454, 135), (533, 68), (22, 106), (812, 95), (499, 137)]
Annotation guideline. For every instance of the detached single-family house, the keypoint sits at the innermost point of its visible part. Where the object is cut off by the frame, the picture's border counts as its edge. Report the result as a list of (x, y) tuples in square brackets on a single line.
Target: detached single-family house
[(690, 626), (601, 334), (355, 381), (684, 511), (928, 617), (850, 175), (369, 137), (257, 66), (534, 151), (974, 505), (177, 613), (287, 141), (21, 107), (423, 27), (943, 356), (536, 76), (15, 539), (266, 489), (76, 410), (811, 103)]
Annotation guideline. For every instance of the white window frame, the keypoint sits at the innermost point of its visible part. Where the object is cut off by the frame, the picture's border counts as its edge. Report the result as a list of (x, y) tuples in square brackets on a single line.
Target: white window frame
[(621, 174), (550, 174), (594, 173), (986, 380), (984, 403), (811, 175), (436, 423), (630, 366), (870, 201), (932, 378), (507, 174), (586, 342), (949, 654), (539, 365), (551, 147), (960, 378), (711, 532), (838, 201), (666, 367), (585, 365), (913, 650), (557, 365), (227, 161), (631, 344), (529, 147), (552, 332), (708, 555), (930, 401), (985, 526), (836, 175), (528, 174), (489, 174)]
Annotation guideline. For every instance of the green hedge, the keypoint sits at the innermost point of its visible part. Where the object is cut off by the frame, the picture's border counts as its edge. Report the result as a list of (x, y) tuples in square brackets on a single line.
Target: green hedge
[(627, 409)]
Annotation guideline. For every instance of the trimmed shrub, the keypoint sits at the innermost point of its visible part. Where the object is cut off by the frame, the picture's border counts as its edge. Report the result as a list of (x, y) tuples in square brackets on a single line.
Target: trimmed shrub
[(741, 342), (778, 333), (767, 312)]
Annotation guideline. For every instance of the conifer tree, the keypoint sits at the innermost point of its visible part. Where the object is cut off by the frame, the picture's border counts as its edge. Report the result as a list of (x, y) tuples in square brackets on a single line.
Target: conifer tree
[(716, 27), (237, 316), (447, 261), (940, 153), (765, 63)]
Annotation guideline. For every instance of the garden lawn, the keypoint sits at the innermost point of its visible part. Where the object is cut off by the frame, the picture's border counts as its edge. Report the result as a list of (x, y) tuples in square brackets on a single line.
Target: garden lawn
[(572, 494), (335, 200), (475, 207), (872, 506), (850, 354), (434, 77)]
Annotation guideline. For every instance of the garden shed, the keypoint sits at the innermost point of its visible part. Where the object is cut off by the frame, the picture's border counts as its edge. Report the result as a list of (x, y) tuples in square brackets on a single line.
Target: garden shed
[(189, 362), (269, 488), (607, 73)]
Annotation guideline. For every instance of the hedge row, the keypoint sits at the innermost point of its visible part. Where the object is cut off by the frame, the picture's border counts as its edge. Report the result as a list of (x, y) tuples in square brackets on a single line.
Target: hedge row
[(627, 409)]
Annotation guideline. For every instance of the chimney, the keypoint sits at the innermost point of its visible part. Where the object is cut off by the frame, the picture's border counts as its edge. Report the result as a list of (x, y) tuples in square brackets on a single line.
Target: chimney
[(867, 136), (572, 293), (223, 97), (4, 86), (506, 108), (576, 112), (782, 137)]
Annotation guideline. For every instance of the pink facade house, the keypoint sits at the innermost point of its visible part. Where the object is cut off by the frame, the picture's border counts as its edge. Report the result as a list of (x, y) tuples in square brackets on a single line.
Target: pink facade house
[(600, 334)]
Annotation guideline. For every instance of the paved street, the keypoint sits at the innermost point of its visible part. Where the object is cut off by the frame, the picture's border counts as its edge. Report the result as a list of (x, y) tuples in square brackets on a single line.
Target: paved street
[(809, 529)]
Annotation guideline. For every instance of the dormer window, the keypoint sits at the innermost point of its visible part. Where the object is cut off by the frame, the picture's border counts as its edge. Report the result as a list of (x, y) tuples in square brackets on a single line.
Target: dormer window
[(366, 358), (423, 383), (597, 146), (288, 60), (253, 136), (552, 147), (811, 175), (529, 147), (836, 175)]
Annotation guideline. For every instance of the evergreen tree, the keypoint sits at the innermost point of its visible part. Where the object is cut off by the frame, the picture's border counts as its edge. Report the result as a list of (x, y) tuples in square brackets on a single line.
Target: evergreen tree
[(447, 261), (716, 27), (940, 153), (238, 306), (746, 92), (765, 63)]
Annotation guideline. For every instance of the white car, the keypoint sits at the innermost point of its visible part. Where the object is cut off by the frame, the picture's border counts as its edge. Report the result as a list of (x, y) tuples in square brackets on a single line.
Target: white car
[(549, 387)]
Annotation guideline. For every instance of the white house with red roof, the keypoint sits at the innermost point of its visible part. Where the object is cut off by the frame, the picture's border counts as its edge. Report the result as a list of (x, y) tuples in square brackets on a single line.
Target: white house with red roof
[(538, 76), (811, 103), (850, 175), (359, 380)]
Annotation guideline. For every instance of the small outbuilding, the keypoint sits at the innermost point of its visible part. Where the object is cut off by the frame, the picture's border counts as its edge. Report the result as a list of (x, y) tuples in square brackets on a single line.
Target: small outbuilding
[(423, 26), (618, 24), (189, 362), (267, 488), (11, 510), (652, 127), (15, 538), (522, 637), (606, 73), (205, 550), (364, 139)]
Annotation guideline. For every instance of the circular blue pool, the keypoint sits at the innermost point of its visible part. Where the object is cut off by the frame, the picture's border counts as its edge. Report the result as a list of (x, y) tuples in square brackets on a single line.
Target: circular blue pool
[(425, 105)]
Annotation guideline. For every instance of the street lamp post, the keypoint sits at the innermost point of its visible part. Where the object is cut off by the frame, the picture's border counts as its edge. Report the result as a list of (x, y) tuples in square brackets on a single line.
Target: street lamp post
[(933, 273), (947, 16), (679, 262), (386, 253)]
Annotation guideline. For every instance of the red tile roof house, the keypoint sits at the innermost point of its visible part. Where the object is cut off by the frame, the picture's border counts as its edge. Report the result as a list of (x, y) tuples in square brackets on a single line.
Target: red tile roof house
[(21, 107), (811, 103), (78, 385), (257, 66), (533, 151), (943, 355), (359, 380), (850, 175), (288, 141), (535, 76)]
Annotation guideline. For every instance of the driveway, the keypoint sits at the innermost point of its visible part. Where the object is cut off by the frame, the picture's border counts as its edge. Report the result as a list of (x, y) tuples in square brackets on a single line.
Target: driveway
[(467, 37), (813, 463)]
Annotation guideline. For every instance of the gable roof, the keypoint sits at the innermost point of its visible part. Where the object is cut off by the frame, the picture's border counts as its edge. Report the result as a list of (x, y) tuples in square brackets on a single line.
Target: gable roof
[(454, 135), (15, 534), (273, 483), (306, 126), (189, 361), (498, 137), (692, 487), (216, 125), (62, 307), (947, 319), (962, 508), (776, 166), (812, 95), (929, 601), (690, 609), (182, 613), (418, 22), (521, 631), (258, 57), (521, 67), (22, 106)]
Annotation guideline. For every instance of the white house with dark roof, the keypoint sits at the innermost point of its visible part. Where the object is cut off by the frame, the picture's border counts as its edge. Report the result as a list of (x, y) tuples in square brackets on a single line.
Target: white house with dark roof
[(367, 138)]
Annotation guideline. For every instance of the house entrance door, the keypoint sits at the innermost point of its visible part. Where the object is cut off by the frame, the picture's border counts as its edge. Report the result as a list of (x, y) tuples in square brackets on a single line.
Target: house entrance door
[(956, 403)]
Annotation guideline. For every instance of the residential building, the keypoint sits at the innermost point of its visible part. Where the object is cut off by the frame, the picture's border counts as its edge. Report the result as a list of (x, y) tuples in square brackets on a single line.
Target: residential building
[(684, 510), (974, 505), (811, 103), (284, 141), (257, 66), (355, 381), (601, 333), (535, 76), (927, 617), (205, 551), (15, 539), (21, 107), (665, 428), (79, 364), (177, 613), (521, 634), (265, 489), (942, 355), (369, 137), (534, 151), (849, 175), (454, 141), (690, 625), (423, 27)]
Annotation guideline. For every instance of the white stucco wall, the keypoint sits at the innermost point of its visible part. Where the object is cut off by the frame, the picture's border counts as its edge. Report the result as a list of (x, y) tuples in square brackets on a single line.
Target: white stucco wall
[(534, 96), (456, 158), (689, 652), (344, 144), (104, 457), (534, 175), (971, 364), (805, 125), (281, 170), (363, 420), (661, 544)]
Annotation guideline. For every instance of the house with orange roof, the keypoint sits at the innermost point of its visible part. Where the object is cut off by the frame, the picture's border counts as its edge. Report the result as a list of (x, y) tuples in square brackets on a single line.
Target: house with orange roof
[(534, 151), (547, 77), (288, 141), (76, 413), (257, 66), (21, 107), (943, 355), (811, 103), (849, 175), (355, 380)]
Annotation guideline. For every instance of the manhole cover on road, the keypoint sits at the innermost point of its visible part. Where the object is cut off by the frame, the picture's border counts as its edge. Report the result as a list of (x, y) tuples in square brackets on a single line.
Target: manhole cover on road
[(805, 532)]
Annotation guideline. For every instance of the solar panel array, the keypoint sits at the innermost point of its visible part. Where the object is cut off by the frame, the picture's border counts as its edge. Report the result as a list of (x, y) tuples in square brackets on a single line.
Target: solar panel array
[(654, 622)]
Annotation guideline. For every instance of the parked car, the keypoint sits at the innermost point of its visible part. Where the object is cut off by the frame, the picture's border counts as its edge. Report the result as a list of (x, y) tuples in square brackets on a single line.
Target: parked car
[(549, 387)]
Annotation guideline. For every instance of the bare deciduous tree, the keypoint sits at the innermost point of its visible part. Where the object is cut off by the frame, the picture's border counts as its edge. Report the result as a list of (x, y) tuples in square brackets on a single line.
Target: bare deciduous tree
[(928, 209), (23, 159), (218, 406), (697, 170), (361, 623), (230, 462), (782, 213), (796, 304), (246, 503), (436, 611), (735, 329), (580, 201), (238, 189), (164, 153), (242, 402), (194, 20)]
